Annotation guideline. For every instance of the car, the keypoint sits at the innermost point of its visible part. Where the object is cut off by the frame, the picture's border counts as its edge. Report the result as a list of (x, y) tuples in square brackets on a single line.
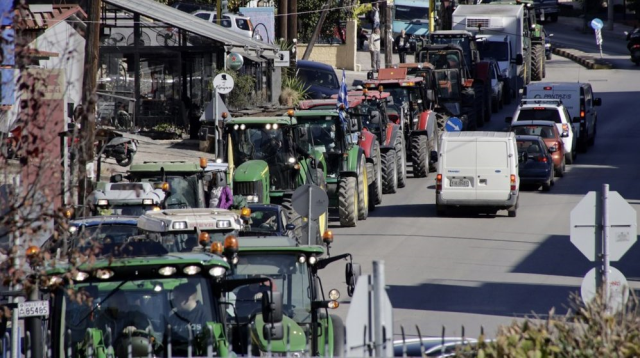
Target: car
[(535, 162), (579, 100), (96, 230), (235, 22), (190, 7), (320, 79), (551, 137), (547, 44), (551, 110)]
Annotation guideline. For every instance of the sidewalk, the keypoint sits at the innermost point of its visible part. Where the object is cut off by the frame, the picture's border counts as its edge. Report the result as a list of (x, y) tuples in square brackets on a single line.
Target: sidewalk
[(578, 23)]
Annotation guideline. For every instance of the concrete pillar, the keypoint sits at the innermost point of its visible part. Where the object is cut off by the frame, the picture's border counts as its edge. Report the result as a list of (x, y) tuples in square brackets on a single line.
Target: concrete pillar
[(347, 57), (276, 83)]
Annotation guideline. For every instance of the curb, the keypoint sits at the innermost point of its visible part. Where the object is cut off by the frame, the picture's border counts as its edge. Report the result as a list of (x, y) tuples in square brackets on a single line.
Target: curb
[(583, 59)]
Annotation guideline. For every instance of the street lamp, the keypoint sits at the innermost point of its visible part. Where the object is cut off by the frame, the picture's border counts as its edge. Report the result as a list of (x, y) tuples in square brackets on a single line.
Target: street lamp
[(257, 36)]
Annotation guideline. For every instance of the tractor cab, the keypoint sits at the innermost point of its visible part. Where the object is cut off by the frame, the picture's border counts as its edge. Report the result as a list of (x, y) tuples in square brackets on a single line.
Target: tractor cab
[(126, 198)]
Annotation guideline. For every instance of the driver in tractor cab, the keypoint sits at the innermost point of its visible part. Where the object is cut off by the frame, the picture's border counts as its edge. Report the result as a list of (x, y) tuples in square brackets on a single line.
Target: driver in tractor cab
[(324, 135), (187, 313), (249, 296), (119, 316)]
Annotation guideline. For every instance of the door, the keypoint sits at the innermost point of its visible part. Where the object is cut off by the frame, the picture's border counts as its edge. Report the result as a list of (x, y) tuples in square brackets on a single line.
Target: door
[(493, 174), (459, 172)]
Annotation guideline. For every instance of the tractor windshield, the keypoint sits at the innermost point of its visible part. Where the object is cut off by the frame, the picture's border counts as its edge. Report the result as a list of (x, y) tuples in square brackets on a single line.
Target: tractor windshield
[(119, 307), (287, 276), (128, 210), (441, 59), (260, 142), (448, 82), (186, 241), (323, 131), (183, 190)]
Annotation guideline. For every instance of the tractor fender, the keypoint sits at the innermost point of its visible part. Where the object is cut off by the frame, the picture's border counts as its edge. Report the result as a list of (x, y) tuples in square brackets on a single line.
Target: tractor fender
[(393, 131), (366, 143), (424, 121), (355, 156)]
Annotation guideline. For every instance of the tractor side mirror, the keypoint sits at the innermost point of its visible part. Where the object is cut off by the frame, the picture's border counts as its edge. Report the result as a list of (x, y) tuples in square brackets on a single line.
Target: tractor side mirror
[(434, 156), (272, 315), (519, 59), (289, 227), (430, 95), (597, 101), (352, 272), (116, 178)]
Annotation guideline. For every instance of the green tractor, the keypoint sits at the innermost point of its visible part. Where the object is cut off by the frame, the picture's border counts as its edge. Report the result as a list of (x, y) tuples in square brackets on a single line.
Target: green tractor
[(131, 307), (280, 264), (349, 175), (269, 158)]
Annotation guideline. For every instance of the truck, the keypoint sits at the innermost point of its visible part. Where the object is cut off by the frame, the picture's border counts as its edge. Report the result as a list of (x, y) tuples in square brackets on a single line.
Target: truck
[(499, 32), (412, 16), (281, 264)]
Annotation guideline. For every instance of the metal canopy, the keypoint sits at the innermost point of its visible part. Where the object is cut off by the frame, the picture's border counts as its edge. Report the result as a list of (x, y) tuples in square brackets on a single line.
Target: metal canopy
[(194, 24)]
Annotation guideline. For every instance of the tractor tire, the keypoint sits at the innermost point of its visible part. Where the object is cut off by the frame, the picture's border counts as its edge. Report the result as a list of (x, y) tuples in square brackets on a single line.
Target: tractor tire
[(363, 191), (348, 201), (537, 62), (375, 189), (389, 172), (401, 161), (293, 217), (338, 336), (420, 155), (468, 108)]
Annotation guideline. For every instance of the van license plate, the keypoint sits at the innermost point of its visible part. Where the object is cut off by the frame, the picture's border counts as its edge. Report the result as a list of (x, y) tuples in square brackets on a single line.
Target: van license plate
[(460, 183)]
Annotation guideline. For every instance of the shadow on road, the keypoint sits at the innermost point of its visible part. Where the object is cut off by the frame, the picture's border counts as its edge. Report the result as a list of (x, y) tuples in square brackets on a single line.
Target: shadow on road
[(499, 299), (557, 256)]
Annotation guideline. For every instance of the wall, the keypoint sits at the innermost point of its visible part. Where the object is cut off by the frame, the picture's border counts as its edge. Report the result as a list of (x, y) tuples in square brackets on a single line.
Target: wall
[(338, 56)]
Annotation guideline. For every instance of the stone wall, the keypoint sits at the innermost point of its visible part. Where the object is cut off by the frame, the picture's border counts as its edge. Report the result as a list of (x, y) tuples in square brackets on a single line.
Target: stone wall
[(338, 56)]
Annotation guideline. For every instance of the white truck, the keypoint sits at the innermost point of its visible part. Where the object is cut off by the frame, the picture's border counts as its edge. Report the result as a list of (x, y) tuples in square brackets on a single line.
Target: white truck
[(499, 31)]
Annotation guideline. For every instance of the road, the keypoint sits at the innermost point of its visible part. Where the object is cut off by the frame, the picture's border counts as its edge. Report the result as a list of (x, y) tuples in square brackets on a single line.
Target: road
[(482, 271)]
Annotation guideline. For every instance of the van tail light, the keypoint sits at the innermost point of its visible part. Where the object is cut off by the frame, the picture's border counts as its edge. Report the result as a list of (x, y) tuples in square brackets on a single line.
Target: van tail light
[(542, 159), (513, 182), (581, 112), (565, 128), (439, 182)]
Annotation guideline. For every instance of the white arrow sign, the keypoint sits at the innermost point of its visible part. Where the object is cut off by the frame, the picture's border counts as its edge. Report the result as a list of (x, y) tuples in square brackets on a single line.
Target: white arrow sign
[(586, 226)]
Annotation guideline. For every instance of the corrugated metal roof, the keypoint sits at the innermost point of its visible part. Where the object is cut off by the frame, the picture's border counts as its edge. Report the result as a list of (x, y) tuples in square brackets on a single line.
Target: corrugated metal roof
[(187, 22), (37, 17), (488, 10)]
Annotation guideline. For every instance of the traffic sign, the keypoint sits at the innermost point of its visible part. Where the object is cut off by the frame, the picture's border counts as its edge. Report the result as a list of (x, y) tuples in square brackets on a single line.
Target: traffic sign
[(235, 61), (319, 201), (586, 226), (282, 59), (223, 83), (618, 288), (454, 124), (597, 24)]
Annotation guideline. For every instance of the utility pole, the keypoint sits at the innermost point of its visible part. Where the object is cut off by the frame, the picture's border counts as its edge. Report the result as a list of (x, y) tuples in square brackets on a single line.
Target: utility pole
[(88, 118), (283, 11), (316, 32), (610, 14), (293, 20), (387, 35)]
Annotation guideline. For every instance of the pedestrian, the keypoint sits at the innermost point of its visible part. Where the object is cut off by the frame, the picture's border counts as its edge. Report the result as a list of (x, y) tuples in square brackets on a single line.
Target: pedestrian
[(374, 49), (221, 194), (374, 16), (402, 46)]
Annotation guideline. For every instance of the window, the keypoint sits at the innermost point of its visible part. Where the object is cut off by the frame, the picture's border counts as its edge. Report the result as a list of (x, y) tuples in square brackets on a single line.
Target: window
[(243, 24), (204, 16), (547, 114)]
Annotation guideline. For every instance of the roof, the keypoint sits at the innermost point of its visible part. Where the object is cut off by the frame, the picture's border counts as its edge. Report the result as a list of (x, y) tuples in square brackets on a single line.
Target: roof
[(495, 10), (106, 220), (189, 220), (529, 137), (40, 17), (313, 65), (533, 123), (283, 120), (194, 24), (478, 134), (275, 243), (169, 166)]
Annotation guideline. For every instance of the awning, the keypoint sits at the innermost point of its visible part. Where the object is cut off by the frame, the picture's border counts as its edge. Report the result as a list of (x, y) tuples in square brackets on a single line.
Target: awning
[(194, 24)]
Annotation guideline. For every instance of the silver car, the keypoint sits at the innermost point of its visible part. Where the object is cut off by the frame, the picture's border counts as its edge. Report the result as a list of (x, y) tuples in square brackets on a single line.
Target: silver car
[(235, 22)]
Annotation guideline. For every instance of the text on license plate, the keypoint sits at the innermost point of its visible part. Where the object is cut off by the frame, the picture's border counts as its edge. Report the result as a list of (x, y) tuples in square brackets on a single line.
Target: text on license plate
[(33, 308), (460, 183)]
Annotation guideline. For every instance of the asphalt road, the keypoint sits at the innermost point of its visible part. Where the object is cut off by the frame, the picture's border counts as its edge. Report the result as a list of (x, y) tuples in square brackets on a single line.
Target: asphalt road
[(483, 271)]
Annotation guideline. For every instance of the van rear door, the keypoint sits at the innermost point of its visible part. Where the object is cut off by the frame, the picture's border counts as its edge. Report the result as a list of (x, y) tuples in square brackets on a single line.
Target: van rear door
[(459, 169), (493, 174), (568, 94)]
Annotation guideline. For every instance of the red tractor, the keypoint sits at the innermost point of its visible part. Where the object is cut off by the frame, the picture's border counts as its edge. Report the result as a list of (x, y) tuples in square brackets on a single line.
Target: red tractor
[(411, 109)]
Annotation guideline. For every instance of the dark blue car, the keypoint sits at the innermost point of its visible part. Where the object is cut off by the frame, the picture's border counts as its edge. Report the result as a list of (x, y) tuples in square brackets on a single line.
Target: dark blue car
[(84, 233), (536, 163), (320, 79)]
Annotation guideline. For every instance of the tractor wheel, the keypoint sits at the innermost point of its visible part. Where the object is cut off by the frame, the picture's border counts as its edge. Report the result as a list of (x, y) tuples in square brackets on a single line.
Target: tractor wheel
[(293, 217), (363, 191), (348, 201), (338, 336), (420, 155), (401, 162), (537, 60), (375, 189), (389, 172)]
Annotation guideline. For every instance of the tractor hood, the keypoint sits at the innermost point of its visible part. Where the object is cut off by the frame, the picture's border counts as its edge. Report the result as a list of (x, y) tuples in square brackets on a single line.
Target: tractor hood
[(252, 170), (293, 335)]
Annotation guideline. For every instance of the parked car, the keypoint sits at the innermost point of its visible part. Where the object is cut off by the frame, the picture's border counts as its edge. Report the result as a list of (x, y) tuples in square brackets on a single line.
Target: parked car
[(579, 100), (191, 7), (551, 110), (320, 79), (547, 44), (478, 170), (551, 137), (536, 164), (235, 22)]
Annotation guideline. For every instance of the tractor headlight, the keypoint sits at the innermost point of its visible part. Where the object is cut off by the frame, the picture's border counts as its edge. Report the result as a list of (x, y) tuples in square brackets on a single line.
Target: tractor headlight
[(103, 202), (147, 201), (179, 225), (252, 198), (292, 160), (221, 224)]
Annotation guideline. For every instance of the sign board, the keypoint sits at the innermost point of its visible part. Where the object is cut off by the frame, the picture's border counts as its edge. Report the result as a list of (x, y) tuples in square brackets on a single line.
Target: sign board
[(234, 61), (597, 24), (318, 197), (33, 309), (454, 124), (618, 288), (586, 226), (223, 83), (360, 321), (282, 59)]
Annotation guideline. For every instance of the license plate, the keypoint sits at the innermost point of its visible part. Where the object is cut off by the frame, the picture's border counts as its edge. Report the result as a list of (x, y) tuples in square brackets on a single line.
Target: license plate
[(33, 309), (460, 183)]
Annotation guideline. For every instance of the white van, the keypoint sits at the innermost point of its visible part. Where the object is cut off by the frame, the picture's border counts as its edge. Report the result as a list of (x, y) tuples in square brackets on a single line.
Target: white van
[(578, 99), (478, 169)]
